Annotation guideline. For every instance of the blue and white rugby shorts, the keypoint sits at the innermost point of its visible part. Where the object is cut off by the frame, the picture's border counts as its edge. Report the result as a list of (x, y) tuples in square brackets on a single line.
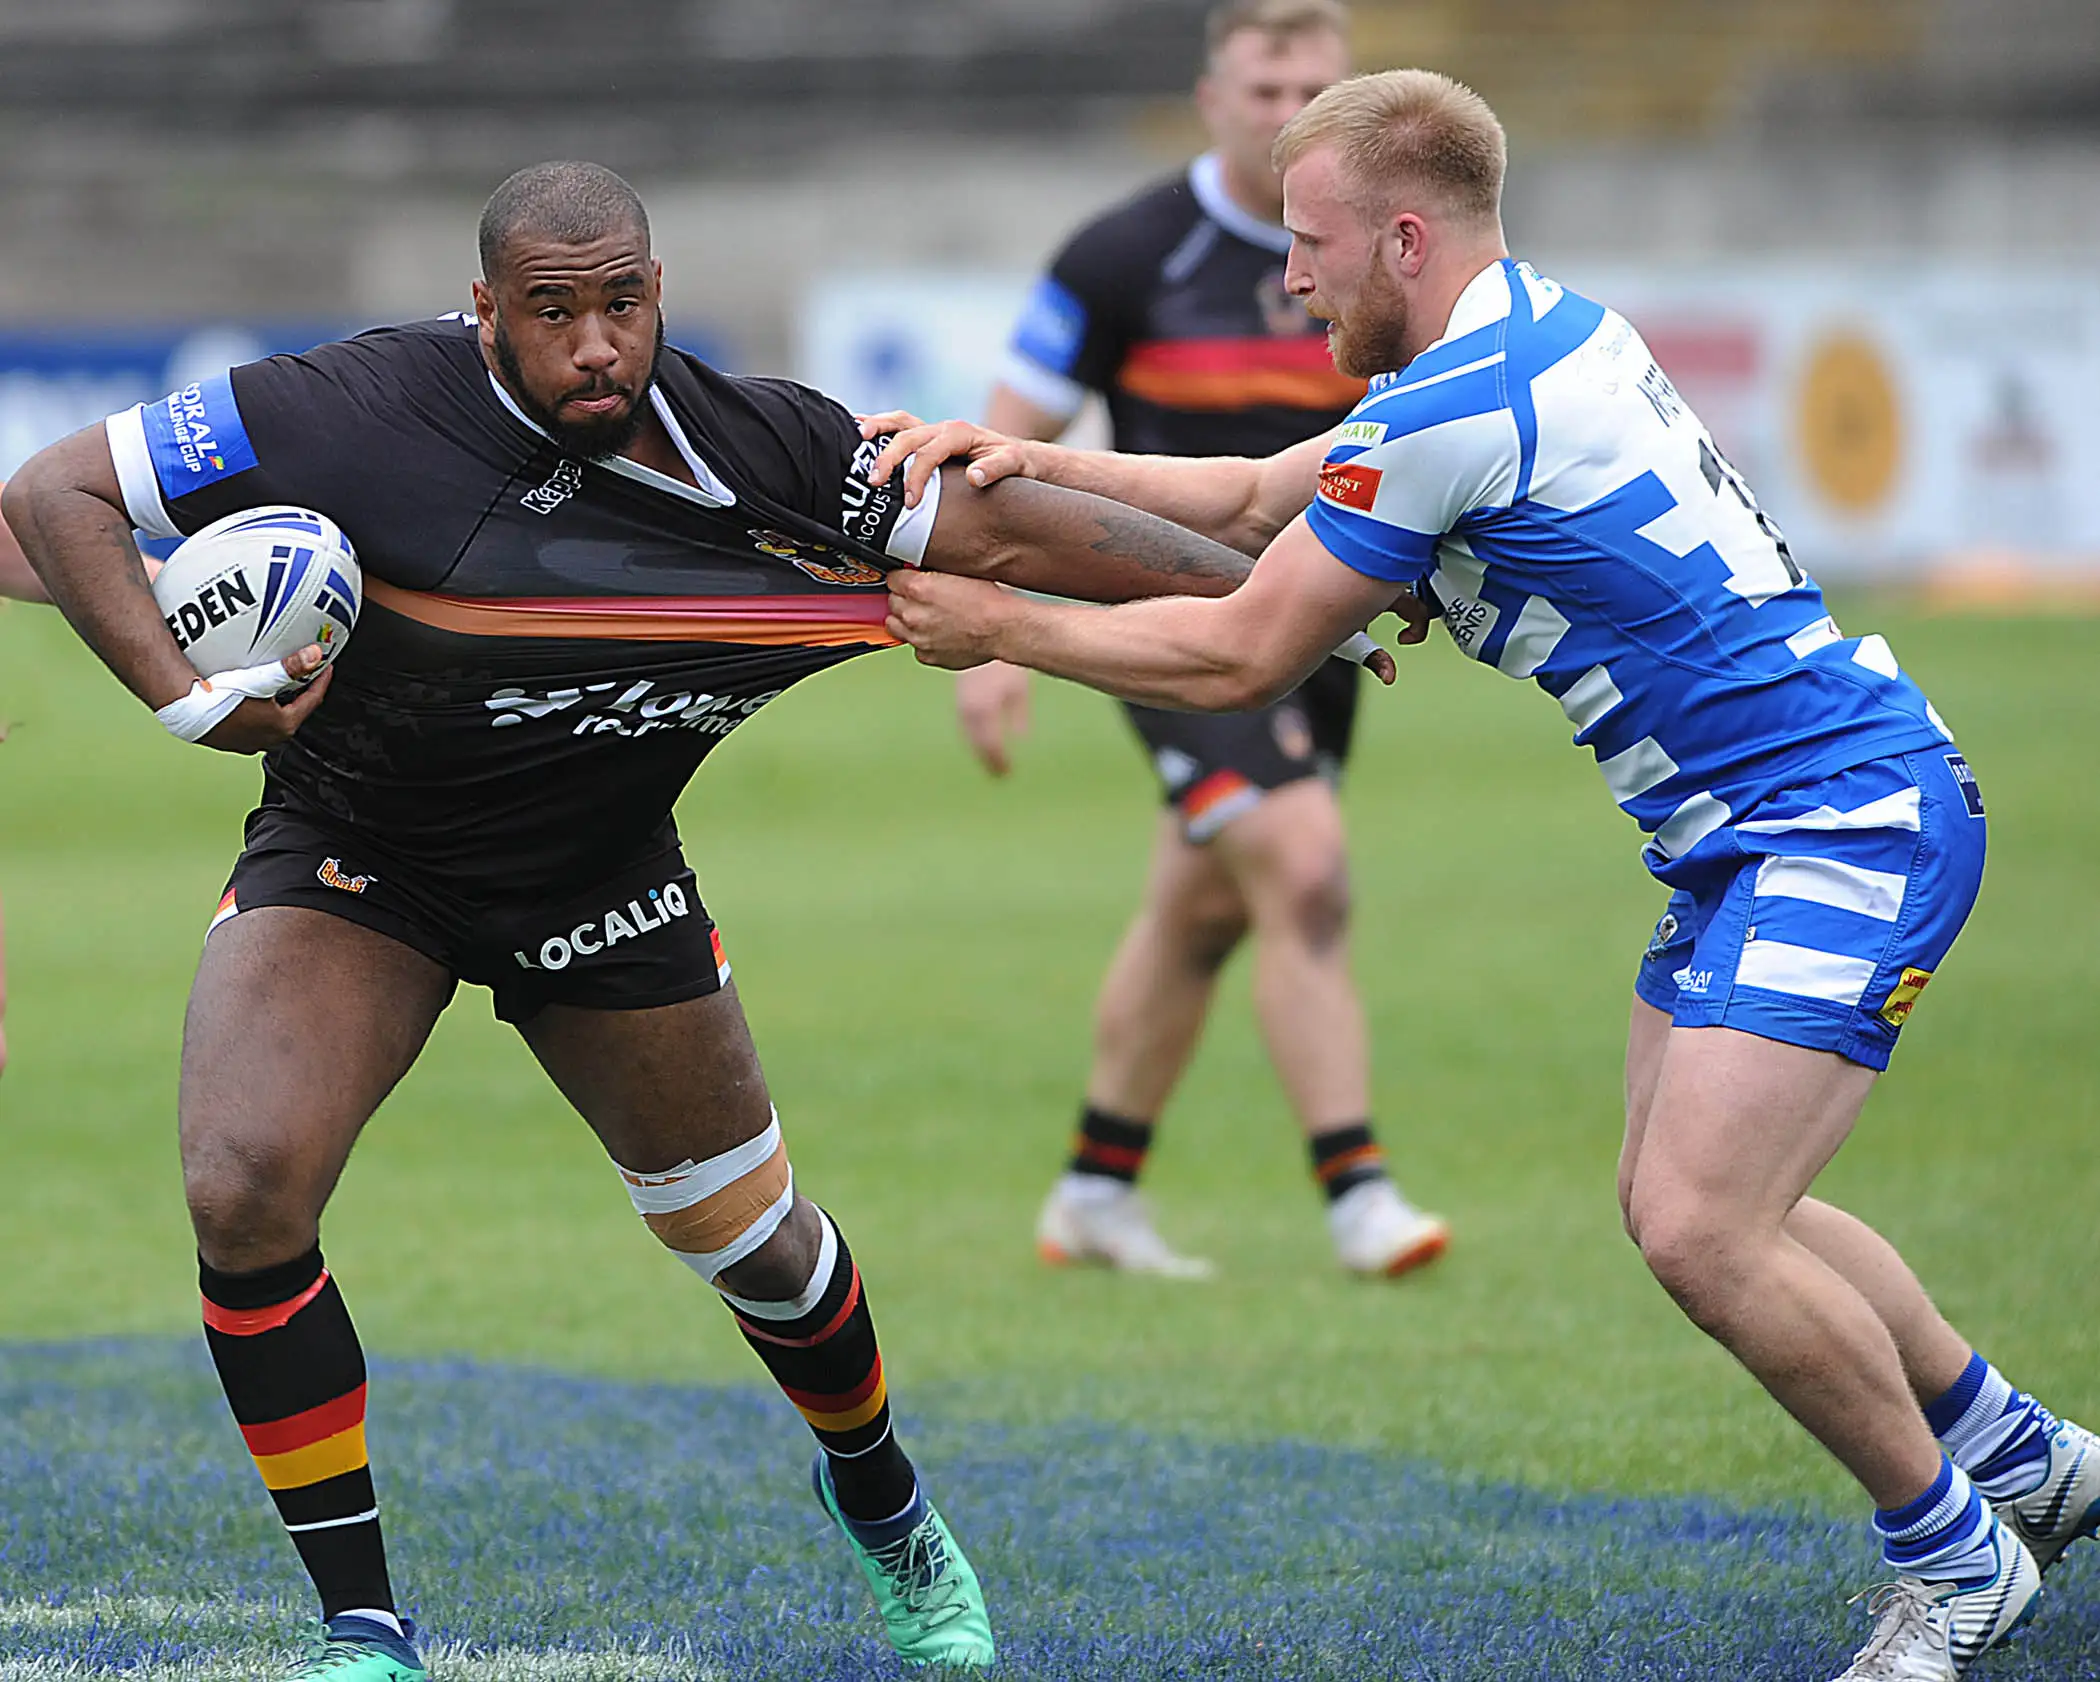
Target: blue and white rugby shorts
[(1818, 917)]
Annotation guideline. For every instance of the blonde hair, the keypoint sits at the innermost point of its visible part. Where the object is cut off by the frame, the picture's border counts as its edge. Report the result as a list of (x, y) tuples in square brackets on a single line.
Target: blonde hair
[(1277, 19), (1393, 129)]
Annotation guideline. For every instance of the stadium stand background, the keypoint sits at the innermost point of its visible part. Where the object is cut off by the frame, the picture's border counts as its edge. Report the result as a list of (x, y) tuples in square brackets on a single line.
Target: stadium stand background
[(190, 158)]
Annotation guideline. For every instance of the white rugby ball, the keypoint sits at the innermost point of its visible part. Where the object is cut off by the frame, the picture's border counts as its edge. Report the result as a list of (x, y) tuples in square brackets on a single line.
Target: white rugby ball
[(258, 585)]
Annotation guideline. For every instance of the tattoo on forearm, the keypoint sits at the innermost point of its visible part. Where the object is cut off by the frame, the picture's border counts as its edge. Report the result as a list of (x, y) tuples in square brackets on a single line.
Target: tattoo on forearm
[(1158, 546)]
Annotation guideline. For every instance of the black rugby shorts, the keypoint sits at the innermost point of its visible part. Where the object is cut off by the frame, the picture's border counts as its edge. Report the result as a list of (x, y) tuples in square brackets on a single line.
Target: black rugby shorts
[(1214, 766), (634, 938)]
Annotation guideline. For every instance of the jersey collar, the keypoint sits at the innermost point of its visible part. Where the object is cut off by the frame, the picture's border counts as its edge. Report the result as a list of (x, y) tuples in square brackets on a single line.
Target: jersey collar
[(711, 491), (1207, 182)]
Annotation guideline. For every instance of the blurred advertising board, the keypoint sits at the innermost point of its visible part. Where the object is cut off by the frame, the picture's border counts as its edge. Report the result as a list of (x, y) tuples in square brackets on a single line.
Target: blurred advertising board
[(1891, 419), (55, 383)]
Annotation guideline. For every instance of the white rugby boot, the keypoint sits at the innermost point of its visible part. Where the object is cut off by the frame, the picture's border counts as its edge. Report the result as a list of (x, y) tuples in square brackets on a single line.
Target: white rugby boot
[(2065, 1507), (1378, 1232), (1933, 1632), (1091, 1218)]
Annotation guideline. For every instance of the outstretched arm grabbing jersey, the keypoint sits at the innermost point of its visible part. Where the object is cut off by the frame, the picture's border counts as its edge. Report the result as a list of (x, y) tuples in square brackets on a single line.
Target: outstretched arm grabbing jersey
[(1238, 501), (1297, 604)]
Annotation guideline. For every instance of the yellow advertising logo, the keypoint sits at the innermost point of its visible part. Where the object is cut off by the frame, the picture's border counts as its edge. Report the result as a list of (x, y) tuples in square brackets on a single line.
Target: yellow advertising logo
[(1904, 995), (1850, 424)]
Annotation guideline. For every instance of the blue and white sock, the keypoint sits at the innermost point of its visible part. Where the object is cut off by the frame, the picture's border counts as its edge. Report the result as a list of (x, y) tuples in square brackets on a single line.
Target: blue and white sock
[(1944, 1536), (1998, 1435)]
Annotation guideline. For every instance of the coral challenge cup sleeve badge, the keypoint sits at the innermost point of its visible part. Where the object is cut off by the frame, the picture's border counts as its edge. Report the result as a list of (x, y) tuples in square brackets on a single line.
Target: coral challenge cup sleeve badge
[(195, 437)]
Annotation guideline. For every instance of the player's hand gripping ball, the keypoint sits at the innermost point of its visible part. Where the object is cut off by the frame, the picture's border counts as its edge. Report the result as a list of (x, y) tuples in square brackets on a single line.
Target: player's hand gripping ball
[(259, 585)]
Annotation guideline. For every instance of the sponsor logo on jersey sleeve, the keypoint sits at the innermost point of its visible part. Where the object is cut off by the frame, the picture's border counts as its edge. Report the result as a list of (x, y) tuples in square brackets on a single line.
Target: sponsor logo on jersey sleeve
[(1903, 995), (195, 437), (1350, 486), (1365, 433)]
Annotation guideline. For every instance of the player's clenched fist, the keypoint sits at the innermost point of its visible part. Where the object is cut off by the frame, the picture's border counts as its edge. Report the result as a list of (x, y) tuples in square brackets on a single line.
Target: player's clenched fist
[(949, 621)]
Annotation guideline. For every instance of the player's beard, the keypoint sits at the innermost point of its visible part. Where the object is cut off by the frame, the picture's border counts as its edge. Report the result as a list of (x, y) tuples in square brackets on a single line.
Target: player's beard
[(593, 439), (1372, 339)]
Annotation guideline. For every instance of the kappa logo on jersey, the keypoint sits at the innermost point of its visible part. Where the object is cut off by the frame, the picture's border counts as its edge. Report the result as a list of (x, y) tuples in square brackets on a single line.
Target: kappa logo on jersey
[(566, 481), (1351, 486), (605, 931), (633, 709), (839, 569), (331, 875), (195, 436), (1903, 995)]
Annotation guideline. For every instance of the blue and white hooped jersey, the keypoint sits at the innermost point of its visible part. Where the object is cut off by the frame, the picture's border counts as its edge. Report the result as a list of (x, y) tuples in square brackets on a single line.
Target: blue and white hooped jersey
[(1574, 523)]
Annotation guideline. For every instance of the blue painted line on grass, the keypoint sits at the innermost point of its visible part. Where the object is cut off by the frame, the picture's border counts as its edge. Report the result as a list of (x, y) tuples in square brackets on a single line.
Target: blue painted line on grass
[(553, 1514)]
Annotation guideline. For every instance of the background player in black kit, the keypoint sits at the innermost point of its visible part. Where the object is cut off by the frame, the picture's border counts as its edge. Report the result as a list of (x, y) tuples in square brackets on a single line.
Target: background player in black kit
[(1172, 307), (587, 559)]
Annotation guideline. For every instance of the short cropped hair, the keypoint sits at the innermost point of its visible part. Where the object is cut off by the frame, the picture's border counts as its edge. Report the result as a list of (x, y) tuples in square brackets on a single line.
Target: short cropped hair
[(1393, 129), (1277, 19), (565, 201)]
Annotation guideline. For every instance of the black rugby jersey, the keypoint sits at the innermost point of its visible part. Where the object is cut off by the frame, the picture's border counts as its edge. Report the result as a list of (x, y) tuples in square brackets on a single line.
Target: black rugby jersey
[(549, 646), (1172, 306)]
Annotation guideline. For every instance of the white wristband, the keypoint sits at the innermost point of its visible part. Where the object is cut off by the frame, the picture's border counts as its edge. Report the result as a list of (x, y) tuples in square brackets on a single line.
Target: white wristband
[(211, 698), (1357, 649)]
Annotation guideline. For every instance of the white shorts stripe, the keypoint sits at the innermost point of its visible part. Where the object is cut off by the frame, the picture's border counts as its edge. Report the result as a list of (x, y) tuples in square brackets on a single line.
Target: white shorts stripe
[(1803, 972), (1809, 638), (1847, 887), (1891, 811)]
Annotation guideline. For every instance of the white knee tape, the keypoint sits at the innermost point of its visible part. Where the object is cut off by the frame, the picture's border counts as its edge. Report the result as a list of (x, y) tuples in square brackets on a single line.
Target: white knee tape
[(713, 1214), (811, 1293)]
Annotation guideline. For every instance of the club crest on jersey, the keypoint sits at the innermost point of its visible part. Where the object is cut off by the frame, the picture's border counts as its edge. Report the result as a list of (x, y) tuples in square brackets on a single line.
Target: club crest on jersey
[(331, 876), (565, 482), (834, 569)]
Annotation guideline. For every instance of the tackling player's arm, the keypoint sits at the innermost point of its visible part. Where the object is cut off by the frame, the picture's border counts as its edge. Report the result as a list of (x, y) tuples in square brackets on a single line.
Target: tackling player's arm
[(66, 508), (1071, 543), (18, 579), (1239, 501), (1228, 655)]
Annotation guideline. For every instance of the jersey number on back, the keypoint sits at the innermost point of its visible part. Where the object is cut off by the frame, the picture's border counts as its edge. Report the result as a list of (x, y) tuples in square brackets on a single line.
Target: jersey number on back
[(1752, 573)]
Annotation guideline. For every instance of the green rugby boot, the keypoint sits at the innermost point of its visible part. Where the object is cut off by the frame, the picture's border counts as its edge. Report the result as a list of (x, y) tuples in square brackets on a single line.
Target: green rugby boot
[(930, 1600), (353, 1649)]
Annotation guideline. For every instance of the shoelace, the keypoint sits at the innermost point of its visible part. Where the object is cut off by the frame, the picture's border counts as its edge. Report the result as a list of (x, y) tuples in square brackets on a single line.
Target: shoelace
[(1900, 1610), (917, 1567), (324, 1649)]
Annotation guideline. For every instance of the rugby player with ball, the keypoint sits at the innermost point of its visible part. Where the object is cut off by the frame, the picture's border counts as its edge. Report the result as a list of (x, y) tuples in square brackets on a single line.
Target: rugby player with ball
[(586, 558)]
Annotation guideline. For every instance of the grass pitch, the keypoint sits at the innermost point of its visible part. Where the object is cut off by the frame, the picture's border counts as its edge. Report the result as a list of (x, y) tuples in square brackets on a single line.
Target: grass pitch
[(917, 949)]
